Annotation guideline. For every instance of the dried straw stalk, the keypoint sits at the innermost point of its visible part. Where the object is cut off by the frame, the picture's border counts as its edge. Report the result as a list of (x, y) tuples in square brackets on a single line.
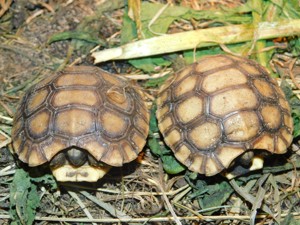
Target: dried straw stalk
[(200, 38)]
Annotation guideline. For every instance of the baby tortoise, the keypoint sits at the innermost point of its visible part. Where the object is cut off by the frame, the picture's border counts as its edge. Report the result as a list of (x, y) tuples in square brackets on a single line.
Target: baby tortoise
[(220, 108), (82, 121)]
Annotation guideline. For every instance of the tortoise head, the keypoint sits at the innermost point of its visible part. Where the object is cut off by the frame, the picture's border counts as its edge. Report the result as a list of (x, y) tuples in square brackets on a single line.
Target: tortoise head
[(76, 164)]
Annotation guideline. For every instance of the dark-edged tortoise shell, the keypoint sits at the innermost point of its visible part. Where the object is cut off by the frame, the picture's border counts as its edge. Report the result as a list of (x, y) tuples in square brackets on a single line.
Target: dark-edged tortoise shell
[(98, 113), (216, 109)]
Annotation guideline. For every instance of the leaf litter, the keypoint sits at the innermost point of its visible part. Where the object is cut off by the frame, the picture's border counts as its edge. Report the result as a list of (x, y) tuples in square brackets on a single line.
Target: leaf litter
[(157, 188)]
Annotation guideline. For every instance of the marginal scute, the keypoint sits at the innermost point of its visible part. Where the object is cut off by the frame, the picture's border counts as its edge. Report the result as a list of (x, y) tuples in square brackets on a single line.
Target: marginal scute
[(52, 146), (271, 116), (198, 163), (183, 153), (36, 99), (264, 141), (138, 140), (279, 91), (212, 167), (163, 111), (172, 137), (128, 154), (18, 126), (185, 86), (288, 121), (264, 88), (287, 135), (43, 83), (184, 73), (280, 145), (164, 96), (113, 157), (18, 141), (35, 156), (233, 106), (166, 124), (23, 153), (252, 70), (141, 125), (226, 154), (143, 112), (284, 104)]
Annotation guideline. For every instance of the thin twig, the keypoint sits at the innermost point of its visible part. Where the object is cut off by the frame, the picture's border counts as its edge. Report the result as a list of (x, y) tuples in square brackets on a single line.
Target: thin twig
[(6, 173), (132, 193), (159, 184), (4, 6), (80, 203), (9, 119), (152, 21), (5, 143), (291, 65), (34, 15), (248, 197), (7, 109), (108, 207), (147, 77)]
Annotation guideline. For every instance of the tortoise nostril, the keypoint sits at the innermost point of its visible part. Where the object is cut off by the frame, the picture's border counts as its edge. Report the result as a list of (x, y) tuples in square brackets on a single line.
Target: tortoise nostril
[(76, 157)]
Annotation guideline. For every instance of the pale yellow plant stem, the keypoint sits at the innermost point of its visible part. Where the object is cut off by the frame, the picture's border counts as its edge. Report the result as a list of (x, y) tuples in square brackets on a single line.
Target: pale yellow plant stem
[(199, 38)]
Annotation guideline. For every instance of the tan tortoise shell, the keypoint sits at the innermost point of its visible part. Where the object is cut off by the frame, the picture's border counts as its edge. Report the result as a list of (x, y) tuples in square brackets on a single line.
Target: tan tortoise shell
[(84, 107), (219, 107)]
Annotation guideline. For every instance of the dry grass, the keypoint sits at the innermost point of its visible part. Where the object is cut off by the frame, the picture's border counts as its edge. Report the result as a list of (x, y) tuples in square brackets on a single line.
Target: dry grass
[(141, 192)]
